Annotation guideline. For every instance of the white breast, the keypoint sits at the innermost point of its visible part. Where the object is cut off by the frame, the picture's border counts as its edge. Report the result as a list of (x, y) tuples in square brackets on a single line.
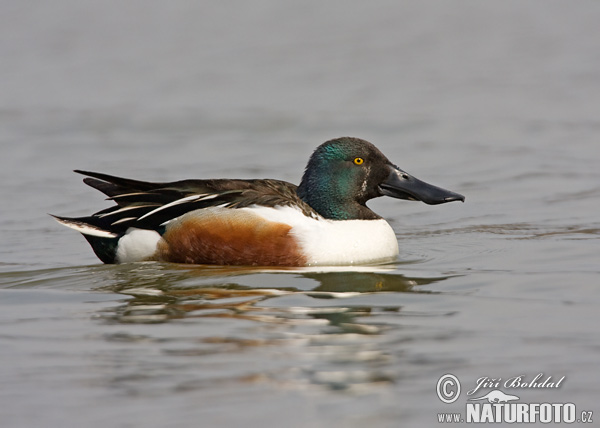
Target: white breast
[(336, 242)]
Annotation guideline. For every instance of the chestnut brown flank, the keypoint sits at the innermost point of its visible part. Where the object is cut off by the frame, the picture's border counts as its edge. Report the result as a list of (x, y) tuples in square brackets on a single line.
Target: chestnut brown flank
[(229, 237)]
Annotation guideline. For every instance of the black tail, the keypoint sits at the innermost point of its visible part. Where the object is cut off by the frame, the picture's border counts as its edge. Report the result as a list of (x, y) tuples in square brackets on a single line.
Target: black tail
[(104, 248)]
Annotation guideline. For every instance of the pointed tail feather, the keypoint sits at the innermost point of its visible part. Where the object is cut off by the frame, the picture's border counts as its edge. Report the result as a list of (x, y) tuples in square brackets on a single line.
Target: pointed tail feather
[(86, 226), (103, 242)]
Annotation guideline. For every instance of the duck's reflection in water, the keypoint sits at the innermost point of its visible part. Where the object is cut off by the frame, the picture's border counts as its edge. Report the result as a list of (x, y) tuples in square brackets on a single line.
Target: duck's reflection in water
[(159, 294), (338, 317)]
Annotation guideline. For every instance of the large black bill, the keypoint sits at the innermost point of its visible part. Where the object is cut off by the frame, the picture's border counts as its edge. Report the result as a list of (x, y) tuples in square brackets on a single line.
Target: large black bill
[(402, 185)]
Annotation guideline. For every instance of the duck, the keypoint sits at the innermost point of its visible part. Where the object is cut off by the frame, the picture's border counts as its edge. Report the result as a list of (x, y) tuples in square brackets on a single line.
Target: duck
[(324, 221)]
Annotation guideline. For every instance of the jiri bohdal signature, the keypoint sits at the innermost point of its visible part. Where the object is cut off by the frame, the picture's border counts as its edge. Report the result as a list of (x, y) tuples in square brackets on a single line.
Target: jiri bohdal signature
[(517, 382)]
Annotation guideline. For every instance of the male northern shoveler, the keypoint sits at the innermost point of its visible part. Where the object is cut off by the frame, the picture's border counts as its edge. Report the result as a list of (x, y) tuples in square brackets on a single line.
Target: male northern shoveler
[(323, 221)]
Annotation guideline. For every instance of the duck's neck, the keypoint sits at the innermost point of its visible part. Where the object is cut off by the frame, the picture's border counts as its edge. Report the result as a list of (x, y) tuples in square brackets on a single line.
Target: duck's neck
[(327, 199)]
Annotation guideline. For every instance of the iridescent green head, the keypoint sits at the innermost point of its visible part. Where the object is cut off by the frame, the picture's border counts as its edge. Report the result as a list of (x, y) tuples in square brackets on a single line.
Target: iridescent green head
[(344, 173)]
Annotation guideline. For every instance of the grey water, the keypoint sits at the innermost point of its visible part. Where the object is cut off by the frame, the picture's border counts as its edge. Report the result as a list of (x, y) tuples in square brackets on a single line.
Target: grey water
[(498, 101)]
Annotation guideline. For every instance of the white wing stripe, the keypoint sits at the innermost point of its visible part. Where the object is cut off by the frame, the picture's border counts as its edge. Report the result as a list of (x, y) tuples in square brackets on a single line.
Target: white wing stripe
[(201, 197), (121, 210)]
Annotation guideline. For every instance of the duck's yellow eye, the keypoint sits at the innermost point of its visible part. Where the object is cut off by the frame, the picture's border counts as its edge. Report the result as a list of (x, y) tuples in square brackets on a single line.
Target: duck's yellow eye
[(358, 161)]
